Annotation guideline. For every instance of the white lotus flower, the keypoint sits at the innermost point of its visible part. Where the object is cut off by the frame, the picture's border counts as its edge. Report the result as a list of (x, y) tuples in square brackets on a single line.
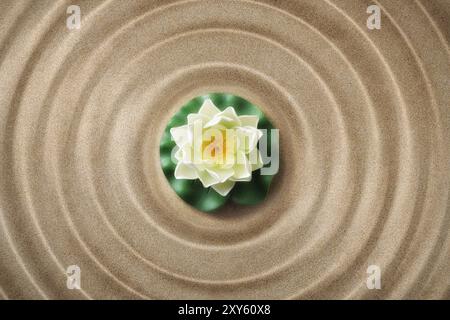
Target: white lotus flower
[(217, 147)]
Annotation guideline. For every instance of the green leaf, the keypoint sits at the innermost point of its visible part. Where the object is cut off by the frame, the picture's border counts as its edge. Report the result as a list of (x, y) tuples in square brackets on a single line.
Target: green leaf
[(252, 192), (210, 200)]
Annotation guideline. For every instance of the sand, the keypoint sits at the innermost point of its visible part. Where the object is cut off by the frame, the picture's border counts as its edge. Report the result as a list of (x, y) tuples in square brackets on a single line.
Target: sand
[(364, 119)]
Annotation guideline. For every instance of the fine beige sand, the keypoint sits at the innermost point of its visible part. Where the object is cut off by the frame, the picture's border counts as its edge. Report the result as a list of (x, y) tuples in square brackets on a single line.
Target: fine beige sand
[(364, 119)]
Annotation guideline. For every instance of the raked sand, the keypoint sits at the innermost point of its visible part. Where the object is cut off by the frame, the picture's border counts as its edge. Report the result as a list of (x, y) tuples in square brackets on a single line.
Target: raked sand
[(364, 119)]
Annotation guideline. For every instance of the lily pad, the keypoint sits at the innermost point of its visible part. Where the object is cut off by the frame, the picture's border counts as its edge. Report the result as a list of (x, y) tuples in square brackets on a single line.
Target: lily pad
[(192, 191)]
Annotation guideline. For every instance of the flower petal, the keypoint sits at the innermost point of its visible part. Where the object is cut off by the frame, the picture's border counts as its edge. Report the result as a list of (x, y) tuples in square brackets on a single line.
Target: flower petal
[(180, 135), (185, 154), (177, 153), (248, 138), (255, 159), (221, 174), (185, 171), (195, 134), (242, 168), (208, 109), (207, 179), (249, 121), (193, 117), (227, 118), (249, 178), (223, 188)]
